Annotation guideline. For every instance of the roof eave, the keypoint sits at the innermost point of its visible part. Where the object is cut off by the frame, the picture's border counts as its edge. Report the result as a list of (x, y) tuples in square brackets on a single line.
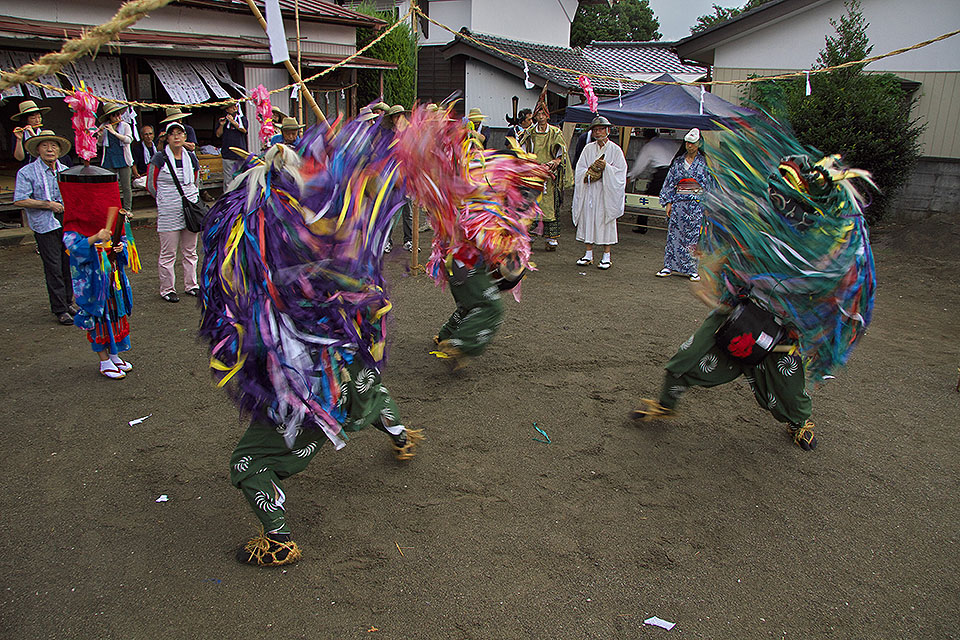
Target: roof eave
[(700, 47), (368, 22)]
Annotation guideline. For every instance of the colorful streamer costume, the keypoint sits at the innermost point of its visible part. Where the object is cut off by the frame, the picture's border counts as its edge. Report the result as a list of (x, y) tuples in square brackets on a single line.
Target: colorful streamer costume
[(294, 309), (480, 204), (788, 255), (98, 271)]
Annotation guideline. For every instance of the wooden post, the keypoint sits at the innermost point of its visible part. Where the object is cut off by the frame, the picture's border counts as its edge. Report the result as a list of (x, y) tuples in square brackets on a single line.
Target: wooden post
[(414, 257), (296, 9), (293, 72)]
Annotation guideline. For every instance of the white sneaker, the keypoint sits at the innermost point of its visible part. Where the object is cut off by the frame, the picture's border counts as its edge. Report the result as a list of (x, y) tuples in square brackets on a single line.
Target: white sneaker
[(388, 248), (408, 246)]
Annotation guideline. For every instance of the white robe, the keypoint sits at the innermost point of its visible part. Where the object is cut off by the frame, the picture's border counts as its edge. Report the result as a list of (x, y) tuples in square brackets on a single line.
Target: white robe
[(597, 205)]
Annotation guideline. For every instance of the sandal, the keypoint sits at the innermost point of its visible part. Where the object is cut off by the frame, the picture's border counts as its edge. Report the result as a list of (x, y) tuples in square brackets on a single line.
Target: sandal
[(265, 551), (171, 297), (651, 410), (405, 449), (111, 370), (604, 264), (663, 273), (584, 261), (803, 436), (193, 292), (694, 277)]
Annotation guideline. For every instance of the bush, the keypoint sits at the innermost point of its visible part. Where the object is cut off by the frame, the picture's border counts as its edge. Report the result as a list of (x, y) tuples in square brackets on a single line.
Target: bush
[(399, 85)]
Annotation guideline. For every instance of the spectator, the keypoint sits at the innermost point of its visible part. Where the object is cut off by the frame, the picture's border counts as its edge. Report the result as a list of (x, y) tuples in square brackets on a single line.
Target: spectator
[(38, 192), (654, 161), (546, 142), (524, 120), (685, 186), (174, 114), (582, 141), (232, 131), (171, 225), (475, 125), (598, 197), (115, 136), (143, 151), (289, 132), (32, 117)]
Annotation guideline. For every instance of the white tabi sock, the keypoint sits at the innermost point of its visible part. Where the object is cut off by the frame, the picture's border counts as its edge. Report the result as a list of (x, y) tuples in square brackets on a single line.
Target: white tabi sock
[(588, 255)]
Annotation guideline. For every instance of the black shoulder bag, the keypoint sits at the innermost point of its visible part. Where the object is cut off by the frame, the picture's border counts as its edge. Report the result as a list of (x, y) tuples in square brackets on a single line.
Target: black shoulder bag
[(193, 212)]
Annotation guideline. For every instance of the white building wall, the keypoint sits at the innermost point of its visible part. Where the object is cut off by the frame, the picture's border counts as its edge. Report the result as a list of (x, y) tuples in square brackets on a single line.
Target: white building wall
[(453, 13), (893, 24), (492, 90), (540, 21)]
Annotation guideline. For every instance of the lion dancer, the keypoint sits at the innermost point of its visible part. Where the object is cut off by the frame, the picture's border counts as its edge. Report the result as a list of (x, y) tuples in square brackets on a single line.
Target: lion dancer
[(481, 204), (545, 141), (294, 308), (790, 275)]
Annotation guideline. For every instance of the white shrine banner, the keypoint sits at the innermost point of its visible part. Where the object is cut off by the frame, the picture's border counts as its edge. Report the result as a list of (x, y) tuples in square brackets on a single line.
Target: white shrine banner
[(275, 32), (101, 76), (180, 80), (205, 71), (7, 65), (223, 75), (20, 58)]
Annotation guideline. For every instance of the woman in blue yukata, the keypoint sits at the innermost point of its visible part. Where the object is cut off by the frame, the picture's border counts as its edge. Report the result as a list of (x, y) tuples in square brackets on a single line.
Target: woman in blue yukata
[(683, 191)]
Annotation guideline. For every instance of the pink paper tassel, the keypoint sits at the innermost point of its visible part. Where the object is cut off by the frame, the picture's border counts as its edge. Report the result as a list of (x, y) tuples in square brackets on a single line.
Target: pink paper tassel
[(261, 98), (592, 100), (84, 106)]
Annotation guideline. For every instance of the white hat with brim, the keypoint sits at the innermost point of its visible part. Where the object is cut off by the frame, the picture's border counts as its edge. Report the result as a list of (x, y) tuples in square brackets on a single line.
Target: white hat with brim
[(174, 114), (27, 107), (47, 136), (692, 136), (175, 124)]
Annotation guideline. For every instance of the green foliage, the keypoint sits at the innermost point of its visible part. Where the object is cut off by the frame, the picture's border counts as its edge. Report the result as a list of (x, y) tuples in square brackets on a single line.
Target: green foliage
[(865, 117), (722, 14), (626, 20), (399, 85)]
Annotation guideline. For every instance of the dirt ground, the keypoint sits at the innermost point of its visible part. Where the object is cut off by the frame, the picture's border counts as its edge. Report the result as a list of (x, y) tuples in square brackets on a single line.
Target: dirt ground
[(715, 521)]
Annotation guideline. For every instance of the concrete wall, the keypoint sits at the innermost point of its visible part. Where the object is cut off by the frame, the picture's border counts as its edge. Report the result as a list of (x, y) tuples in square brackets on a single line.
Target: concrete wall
[(934, 187)]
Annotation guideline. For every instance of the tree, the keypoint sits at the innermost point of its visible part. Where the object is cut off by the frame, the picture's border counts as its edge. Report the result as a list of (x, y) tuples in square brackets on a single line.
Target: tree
[(865, 117), (399, 85), (721, 14), (626, 20)]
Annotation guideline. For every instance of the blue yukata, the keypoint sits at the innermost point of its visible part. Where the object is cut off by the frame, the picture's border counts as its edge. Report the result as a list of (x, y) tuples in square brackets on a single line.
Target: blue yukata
[(685, 188), (103, 294)]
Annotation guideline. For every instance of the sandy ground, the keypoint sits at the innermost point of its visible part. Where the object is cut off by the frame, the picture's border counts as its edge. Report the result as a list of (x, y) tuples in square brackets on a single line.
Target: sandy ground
[(715, 521)]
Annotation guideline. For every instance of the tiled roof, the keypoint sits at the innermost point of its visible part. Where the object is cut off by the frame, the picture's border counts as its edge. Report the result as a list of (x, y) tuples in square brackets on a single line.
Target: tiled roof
[(558, 56), (310, 10), (639, 57)]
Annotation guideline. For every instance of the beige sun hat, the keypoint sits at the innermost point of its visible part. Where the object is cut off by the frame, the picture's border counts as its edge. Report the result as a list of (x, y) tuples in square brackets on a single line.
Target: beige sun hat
[(382, 106), (174, 113), (26, 108), (395, 109), (475, 115), (45, 136), (110, 110), (289, 124)]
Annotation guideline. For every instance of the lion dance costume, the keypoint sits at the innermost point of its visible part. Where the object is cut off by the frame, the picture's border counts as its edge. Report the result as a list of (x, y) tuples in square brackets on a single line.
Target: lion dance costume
[(787, 256), (294, 309)]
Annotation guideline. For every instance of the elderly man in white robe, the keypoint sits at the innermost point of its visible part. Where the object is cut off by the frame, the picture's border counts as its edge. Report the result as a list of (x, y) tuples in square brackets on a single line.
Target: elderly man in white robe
[(598, 197)]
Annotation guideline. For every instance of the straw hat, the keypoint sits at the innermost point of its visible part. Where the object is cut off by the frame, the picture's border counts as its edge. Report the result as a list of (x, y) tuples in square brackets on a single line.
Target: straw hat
[(27, 107), (476, 115), (395, 109), (366, 115), (290, 124), (174, 113), (44, 136), (382, 106), (108, 110)]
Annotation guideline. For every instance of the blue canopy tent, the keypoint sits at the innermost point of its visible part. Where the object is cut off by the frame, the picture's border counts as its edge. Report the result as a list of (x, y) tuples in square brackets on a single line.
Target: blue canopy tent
[(667, 106)]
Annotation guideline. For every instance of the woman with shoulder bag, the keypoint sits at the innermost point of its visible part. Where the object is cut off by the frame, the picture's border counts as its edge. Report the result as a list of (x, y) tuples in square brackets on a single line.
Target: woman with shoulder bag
[(172, 172)]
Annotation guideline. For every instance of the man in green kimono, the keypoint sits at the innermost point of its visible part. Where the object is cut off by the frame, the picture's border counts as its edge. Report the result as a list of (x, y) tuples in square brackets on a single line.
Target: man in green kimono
[(546, 142)]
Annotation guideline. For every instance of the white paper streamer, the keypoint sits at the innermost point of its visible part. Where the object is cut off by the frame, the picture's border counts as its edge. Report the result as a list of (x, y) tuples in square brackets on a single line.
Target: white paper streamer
[(276, 33), (702, 91), (619, 94), (807, 73), (526, 76)]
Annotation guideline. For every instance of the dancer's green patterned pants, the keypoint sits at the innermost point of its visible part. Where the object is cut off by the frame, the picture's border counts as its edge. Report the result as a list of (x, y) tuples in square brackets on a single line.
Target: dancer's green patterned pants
[(478, 315), (263, 459), (777, 382)]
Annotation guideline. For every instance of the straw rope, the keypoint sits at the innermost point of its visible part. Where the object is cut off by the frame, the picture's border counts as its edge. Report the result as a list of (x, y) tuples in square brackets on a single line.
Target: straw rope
[(90, 42), (133, 10), (53, 62), (783, 76)]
